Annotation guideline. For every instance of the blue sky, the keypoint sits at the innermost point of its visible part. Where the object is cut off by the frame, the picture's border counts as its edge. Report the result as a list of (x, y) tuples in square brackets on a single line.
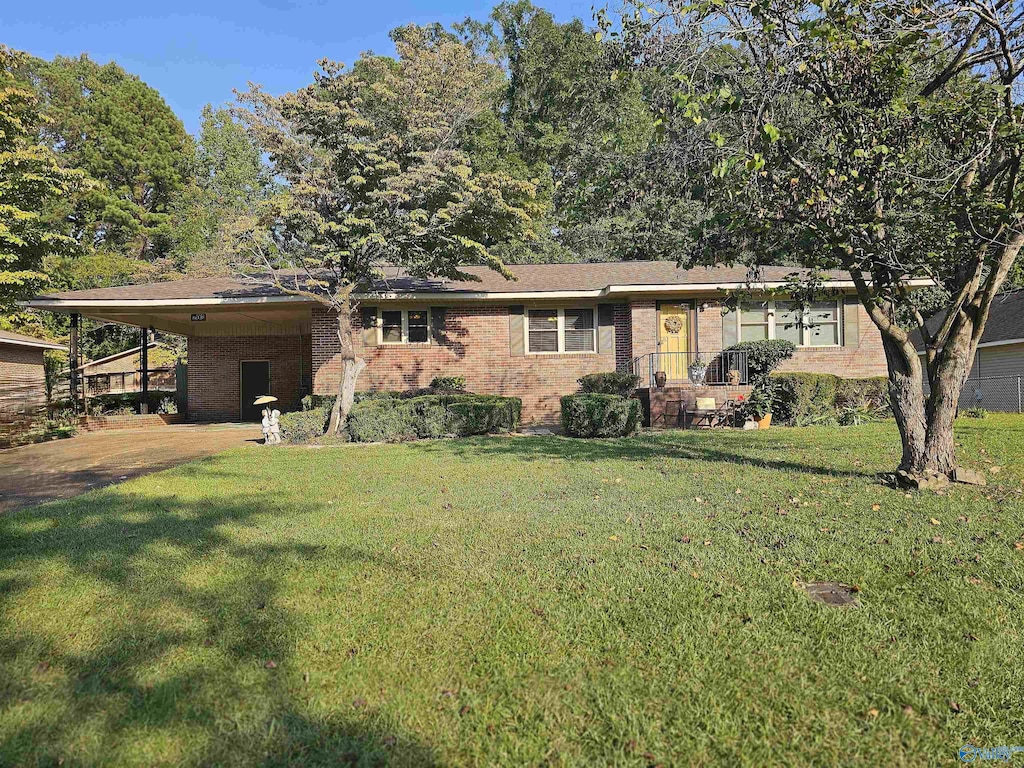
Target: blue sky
[(195, 52)]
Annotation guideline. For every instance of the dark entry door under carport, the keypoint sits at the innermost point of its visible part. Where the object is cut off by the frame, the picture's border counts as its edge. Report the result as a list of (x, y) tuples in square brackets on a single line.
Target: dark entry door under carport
[(255, 381)]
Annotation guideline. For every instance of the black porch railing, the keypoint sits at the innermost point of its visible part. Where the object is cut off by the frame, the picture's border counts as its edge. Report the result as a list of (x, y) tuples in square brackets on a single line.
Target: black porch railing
[(723, 367)]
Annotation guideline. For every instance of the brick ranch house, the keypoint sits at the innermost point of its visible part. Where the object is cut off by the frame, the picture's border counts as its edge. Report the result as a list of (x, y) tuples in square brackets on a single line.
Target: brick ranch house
[(531, 338), (22, 379)]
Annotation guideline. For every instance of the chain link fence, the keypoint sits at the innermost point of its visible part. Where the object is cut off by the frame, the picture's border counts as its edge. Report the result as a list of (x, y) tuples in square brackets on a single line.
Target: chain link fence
[(994, 393)]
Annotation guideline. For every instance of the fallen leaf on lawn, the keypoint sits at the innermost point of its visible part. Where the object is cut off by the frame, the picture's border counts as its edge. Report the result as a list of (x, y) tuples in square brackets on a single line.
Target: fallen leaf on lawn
[(936, 539), (1018, 545), (464, 710), (613, 538), (908, 710), (739, 491), (954, 707), (872, 712), (933, 521), (358, 703), (685, 539), (875, 507), (305, 677), (973, 580), (995, 470), (707, 542), (271, 665), (698, 499), (695, 575)]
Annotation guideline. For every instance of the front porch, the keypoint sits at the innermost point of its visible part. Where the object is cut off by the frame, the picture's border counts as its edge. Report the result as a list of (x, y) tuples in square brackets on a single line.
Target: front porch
[(671, 382)]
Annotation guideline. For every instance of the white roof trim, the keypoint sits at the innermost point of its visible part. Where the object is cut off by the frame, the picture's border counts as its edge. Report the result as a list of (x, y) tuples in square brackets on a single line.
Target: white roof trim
[(1002, 343), (125, 353), (71, 305), (40, 344)]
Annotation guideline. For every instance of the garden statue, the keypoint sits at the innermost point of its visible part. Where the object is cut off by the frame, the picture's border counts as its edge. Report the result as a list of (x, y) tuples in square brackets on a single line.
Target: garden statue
[(271, 421)]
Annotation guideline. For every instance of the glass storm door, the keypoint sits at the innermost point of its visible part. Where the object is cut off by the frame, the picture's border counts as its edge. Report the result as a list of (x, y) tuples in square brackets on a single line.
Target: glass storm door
[(674, 337)]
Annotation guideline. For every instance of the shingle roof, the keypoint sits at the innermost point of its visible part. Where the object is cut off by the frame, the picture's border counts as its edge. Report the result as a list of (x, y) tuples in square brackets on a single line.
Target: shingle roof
[(20, 340), (1005, 320), (530, 278)]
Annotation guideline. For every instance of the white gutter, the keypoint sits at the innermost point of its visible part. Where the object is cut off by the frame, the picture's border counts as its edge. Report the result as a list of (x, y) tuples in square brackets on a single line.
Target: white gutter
[(35, 344), (1002, 343), (68, 305)]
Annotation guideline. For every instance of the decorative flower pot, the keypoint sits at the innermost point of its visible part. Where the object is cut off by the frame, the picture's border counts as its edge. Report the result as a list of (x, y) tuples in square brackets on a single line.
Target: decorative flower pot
[(734, 378), (698, 372), (765, 422), (660, 377)]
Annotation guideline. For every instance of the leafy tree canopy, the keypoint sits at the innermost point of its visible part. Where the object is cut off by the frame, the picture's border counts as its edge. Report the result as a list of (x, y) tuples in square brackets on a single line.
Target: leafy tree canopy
[(376, 172), (30, 180), (121, 133)]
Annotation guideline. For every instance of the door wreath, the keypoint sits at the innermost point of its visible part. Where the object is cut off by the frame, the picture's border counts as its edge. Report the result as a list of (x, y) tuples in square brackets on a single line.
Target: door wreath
[(673, 324)]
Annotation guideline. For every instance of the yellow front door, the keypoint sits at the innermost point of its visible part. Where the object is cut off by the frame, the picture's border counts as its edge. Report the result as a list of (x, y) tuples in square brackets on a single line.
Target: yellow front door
[(674, 336)]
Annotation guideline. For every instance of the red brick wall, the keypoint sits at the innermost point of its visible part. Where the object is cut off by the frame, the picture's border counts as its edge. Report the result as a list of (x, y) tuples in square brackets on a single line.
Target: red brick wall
[(476, 346), (213, 372), (866, 359), (22, 380), (623, 337)]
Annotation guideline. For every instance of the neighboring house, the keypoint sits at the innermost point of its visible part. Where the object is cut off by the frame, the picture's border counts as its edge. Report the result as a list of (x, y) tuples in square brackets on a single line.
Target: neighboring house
[(531, 338), (22, 376), (121, 373), (996, 380)]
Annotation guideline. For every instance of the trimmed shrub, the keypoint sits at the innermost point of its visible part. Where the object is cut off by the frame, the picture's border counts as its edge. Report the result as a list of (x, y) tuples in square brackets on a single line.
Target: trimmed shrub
[(598, 415), (612, 383), (396, 419), (483, 414), (304, 426), (870, 393), (763, 357), (448, 384), (803, 399)]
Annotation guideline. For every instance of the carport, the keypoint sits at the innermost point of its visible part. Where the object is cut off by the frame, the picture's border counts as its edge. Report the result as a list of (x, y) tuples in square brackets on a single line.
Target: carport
[(244, 339)]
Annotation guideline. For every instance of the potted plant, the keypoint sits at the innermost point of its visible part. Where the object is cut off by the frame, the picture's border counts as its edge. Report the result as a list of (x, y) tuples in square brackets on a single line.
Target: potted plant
[(660, 379), (759, 404), (734, 377), (698, 371)]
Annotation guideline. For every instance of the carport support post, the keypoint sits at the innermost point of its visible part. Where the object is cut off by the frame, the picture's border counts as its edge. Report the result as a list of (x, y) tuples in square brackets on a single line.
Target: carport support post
[(144, 372), (74, 353)]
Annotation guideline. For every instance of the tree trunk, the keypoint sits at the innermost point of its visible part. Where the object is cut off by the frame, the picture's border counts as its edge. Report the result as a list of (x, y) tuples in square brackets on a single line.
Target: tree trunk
[(948, 381), (351, 367), (906, 392)]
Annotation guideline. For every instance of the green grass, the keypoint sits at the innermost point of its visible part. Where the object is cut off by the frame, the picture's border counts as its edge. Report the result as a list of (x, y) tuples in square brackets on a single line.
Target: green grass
[(521, 601)]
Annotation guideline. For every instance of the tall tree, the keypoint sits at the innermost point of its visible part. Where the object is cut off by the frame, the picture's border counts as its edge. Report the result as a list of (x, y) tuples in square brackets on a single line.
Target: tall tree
[(227, 179), (122, 134), (882, 138), (376, 174), (30, 179)]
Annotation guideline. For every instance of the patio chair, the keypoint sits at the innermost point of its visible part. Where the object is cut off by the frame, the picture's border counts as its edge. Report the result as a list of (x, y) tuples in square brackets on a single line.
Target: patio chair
[(707, 414)]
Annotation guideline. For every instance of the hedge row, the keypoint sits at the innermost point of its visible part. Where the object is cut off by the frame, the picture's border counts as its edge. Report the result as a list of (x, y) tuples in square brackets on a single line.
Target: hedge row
[(388, 417), (803, 399), (595, 415)]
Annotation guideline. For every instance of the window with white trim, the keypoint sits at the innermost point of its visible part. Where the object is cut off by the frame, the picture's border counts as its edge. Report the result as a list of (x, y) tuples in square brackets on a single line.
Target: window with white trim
[(817, 325), (561, 330), (403, 326)]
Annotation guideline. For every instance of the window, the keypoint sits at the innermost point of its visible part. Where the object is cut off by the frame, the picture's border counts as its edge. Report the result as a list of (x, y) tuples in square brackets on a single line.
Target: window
[(753, 322), (561, 330), (789, 325), (404, 326), (579, 330), (417, 326), (823, 325), (819, 326)]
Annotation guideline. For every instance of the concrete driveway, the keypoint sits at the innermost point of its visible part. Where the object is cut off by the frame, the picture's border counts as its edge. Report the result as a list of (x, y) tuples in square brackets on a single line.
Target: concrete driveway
[(32, 474)]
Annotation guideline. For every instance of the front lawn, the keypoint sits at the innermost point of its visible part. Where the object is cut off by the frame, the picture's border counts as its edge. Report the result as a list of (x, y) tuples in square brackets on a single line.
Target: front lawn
[(521, 601)]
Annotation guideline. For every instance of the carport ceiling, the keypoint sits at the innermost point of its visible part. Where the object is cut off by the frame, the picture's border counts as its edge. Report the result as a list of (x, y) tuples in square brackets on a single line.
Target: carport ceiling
[(196, 320)]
